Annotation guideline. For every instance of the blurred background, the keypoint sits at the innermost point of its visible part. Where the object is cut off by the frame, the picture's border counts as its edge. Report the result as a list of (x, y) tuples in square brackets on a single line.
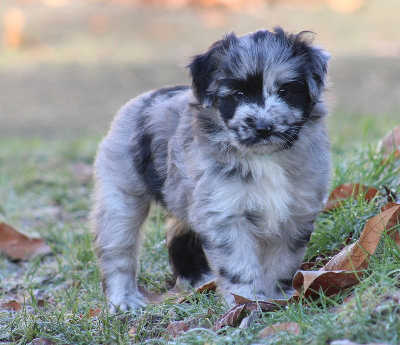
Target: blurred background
[(67, 66)]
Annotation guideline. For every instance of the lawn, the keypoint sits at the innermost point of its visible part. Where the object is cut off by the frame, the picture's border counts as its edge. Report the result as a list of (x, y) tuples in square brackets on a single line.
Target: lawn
[(43, 191)]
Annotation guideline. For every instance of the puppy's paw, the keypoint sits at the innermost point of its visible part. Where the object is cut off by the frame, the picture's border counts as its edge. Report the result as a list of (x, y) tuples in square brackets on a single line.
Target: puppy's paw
[(126, 302)]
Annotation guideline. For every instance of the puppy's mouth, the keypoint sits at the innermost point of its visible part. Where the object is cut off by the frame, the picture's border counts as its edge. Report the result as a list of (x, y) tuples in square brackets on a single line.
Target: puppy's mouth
[(282, 140)]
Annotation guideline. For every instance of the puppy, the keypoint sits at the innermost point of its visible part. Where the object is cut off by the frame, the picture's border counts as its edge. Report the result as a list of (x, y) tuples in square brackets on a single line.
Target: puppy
[(240, 159)]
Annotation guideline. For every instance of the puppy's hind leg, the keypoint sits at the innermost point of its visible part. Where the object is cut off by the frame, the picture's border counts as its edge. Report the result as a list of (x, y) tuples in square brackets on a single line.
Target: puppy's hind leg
[(186, 255)]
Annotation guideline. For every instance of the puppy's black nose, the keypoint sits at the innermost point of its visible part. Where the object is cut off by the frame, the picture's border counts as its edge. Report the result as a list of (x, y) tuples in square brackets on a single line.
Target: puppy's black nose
[(264, 129)]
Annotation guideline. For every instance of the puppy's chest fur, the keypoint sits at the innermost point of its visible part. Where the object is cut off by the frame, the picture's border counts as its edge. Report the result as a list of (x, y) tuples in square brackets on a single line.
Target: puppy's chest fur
[(261, 192)]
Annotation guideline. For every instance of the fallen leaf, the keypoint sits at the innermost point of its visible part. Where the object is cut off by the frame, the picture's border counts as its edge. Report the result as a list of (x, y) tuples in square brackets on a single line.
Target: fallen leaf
[(347, 190), (235, 315), (264, 305), (391, 142), (176, 327), (249, 320), (291, 327), (20, 246), (156, 298), (389, 205), (330, 282), (230, 317), (345, 268), (355, 256), (11, 305), (93, 312), (208, 286)]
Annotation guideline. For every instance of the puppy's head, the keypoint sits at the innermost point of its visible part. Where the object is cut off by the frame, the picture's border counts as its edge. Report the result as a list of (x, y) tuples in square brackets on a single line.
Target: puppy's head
[(264, 85)]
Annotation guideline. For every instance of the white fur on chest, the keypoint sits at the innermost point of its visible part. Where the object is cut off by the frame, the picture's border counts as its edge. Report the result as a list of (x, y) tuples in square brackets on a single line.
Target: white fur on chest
[(268, 193)]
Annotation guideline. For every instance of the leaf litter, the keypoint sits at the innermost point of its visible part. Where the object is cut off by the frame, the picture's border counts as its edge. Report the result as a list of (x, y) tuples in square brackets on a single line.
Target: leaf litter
[(20, 246)]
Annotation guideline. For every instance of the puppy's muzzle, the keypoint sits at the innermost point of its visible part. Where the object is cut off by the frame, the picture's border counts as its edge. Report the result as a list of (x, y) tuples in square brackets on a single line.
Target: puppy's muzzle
[(264, 129)]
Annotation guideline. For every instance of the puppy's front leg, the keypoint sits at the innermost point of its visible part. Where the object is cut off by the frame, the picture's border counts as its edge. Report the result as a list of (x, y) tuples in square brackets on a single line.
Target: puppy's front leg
[(231, 251), (120, 208)]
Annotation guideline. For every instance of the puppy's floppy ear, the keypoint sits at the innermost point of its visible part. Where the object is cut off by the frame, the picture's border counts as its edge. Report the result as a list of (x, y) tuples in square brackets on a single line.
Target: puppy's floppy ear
[(203, 70), (318, 70)]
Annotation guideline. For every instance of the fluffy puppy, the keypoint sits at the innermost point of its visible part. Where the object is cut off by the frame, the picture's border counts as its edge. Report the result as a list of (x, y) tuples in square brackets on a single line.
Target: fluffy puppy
[(240, 159)]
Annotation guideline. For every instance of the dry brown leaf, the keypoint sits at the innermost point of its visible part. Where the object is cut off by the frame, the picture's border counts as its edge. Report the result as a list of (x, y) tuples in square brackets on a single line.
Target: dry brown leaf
[(330, 282), (389, 205), (391, 142), (230, 317), (246, 306), (93, 312), (291, 327), (263, 305), (346, 191), (345, 268), (11, 305), (355, 256), (156, 298), (176, 327), (20, 246)]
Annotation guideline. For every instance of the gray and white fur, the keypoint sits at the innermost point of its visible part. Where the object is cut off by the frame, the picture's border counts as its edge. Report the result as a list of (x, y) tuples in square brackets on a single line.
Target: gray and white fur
[(240, 160)]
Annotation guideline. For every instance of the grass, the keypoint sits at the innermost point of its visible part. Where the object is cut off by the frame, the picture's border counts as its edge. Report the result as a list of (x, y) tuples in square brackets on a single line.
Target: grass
[(39, 193)]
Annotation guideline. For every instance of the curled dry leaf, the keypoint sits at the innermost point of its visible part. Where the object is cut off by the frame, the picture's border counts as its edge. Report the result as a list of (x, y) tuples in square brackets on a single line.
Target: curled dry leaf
[(20, 246), (263, 305), (355, 256), (347, 190), (231, 317), (291, 327), (245, 306), (12, 305), (249, 320), (93, 312), (330, 282), (177, 327), (389, 205), (345, 268), (391, 142)]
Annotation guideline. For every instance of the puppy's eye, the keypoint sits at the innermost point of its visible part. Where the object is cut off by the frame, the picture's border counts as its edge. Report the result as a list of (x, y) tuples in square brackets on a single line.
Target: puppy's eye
[(284, 91), (239, 94)]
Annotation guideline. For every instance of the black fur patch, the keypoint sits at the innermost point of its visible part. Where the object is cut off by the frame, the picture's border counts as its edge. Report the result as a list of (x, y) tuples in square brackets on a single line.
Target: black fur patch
[(169, 91), (202, 68), (302, 240), (207, 124), (233, 278), (143, 160), (295, 94), (227, 107), (254, 218), (284, 284), (187, 257)]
